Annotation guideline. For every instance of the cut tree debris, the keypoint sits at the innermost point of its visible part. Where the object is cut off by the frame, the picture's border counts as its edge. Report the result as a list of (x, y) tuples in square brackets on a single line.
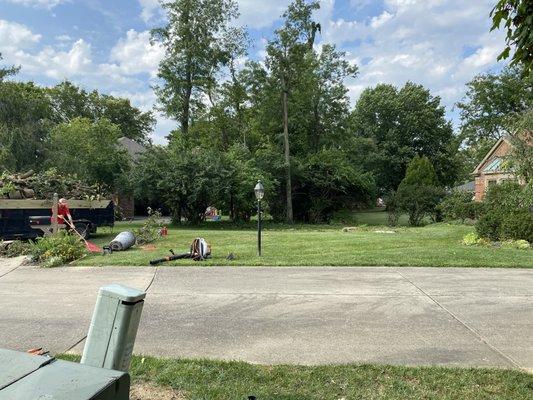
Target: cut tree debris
[(43, 185)]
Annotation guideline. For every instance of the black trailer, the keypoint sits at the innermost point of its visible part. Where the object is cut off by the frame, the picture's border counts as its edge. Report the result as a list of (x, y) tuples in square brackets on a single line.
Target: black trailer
[(29, 219)]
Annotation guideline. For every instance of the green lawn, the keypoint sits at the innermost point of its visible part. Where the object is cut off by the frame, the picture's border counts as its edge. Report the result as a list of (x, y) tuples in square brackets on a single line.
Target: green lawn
[(436, 245), (204, 379)]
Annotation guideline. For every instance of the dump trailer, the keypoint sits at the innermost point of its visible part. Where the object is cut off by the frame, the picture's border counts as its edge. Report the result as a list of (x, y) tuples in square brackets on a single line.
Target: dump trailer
[(31, 218)]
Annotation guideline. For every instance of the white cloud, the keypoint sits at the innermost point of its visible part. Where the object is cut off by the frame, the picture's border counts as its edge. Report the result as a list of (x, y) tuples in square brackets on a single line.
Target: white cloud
[(49, 4), (420, 40), (381, 19), (135, 54), (132, 55), (16, 36), (63, 61), (150, 10), (63, 38)]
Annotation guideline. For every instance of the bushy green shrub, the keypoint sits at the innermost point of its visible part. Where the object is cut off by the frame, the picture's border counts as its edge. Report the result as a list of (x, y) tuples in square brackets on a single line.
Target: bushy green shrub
[(508, 197), (517, 226), (418, 201), (459, 205), (507, 213), (418, 193), (488, 226), (15, 248), (57, 249)]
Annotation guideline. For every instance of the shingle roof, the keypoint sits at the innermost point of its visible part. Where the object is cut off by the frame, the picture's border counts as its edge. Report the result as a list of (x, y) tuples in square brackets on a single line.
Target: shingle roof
[(133, 148)]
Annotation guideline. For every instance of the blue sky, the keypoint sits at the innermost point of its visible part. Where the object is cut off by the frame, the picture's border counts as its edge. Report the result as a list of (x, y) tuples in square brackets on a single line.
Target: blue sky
[(104, 45)]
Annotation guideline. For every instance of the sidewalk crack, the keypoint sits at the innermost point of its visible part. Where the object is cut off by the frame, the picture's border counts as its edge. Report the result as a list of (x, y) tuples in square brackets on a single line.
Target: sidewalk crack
[(463, 323), (11, 270)]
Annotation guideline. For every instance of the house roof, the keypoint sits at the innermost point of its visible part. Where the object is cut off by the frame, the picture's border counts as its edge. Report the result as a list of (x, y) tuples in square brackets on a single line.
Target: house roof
[(467, 187), (491, 152), (133, 148)]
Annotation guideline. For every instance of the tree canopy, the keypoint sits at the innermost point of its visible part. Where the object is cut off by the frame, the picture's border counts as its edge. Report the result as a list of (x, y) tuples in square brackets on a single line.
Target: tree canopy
[(517, 19), (403, 123)]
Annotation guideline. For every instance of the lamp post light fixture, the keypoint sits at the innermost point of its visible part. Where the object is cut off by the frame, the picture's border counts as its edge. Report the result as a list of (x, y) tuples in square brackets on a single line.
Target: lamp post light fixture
[(259, 193)]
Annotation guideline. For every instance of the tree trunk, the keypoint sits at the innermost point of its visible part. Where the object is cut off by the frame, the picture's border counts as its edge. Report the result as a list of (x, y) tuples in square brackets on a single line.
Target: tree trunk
[(185, 115), (288, 186)]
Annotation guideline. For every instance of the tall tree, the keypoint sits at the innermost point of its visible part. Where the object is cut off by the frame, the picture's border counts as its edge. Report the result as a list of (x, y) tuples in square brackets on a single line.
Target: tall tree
[(24, 125), (403, 123), (89, 150), (292, 44), (192, 40), (517, 18), (521, 157), (70, 101), (490, 100)]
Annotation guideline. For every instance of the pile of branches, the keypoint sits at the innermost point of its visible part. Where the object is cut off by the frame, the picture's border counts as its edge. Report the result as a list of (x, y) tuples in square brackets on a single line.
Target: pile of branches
[(43, 185)]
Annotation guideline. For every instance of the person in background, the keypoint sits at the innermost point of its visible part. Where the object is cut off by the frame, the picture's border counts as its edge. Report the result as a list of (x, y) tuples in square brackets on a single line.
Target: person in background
[(63, 213)]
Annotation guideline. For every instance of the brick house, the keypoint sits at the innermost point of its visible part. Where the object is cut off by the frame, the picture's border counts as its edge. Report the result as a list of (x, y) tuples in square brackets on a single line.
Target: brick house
[(490, 170)]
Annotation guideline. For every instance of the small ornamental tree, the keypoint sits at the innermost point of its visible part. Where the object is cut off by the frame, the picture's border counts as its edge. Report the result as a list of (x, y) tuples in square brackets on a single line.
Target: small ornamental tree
[(418, 193)]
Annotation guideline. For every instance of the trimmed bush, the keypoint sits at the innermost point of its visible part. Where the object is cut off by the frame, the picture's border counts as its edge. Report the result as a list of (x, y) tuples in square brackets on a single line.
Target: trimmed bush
[(488, 226), (507, 213), (517, 226), (460, 206)]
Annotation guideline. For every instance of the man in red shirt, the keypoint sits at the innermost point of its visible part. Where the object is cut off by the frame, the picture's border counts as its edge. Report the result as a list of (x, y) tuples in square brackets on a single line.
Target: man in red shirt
[(63, 212)]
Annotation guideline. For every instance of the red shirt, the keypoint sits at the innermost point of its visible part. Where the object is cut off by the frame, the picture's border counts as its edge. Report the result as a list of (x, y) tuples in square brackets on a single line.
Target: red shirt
[(62, 214)]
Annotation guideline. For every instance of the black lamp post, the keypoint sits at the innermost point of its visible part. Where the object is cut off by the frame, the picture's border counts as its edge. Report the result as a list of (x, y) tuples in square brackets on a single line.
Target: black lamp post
[(259, 193)]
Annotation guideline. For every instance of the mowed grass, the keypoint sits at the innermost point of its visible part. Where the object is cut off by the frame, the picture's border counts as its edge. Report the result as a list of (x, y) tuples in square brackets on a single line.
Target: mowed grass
[(435, 245), (204, 379)]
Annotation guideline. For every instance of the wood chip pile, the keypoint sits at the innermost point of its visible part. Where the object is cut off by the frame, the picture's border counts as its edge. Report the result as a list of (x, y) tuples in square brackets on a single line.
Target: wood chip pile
[(43, 185)]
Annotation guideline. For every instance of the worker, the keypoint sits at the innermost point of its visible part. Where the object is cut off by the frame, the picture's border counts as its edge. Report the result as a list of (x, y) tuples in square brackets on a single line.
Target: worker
[(63, 213)]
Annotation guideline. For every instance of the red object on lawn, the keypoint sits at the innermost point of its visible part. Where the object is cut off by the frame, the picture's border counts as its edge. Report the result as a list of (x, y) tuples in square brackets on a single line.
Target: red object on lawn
[(90, 246)]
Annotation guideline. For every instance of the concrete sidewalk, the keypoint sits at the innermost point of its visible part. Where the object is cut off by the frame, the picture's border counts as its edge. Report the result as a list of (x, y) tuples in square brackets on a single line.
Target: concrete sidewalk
[(448, 316)]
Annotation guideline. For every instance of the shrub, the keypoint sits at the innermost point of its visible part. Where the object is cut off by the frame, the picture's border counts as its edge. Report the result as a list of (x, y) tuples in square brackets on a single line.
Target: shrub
[(507, 213), (470, 239), (488, 226), (418, 201), (418, 194), (517, 226), (459, 206), (57, 249), (508, 197)]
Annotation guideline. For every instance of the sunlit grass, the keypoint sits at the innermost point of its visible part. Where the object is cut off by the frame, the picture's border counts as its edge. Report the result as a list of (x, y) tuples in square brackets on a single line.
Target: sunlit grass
[(435, 245), (206, 379)]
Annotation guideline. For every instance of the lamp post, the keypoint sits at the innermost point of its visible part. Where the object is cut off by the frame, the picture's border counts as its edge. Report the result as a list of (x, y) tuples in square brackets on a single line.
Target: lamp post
[(259, 193)]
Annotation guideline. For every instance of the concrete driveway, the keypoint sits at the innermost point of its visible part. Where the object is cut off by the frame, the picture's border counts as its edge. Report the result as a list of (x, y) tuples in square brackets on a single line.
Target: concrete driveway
[(414, 316)]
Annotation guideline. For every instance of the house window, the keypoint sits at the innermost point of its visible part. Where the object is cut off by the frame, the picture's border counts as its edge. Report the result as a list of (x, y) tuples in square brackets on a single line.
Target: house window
[(494, 165), (491, 182)]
